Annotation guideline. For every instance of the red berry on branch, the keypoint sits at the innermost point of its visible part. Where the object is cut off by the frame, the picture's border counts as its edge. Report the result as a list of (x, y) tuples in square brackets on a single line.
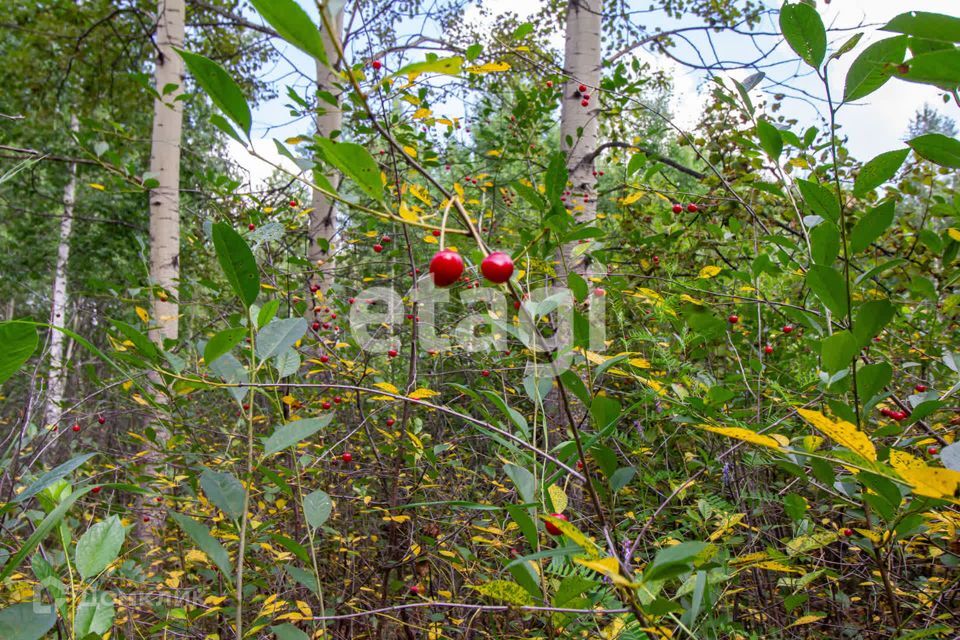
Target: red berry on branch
[(920, 388), (485, 373), (446, 267), (582, 88), (376, 64), (392, 353), (787, 328), (390, 422), (692, 208), (678, 208), (733, 319), (553, 529), (768, 349), (378, 248), (76, 428), (251, 226), (497, 267), (347, 457)]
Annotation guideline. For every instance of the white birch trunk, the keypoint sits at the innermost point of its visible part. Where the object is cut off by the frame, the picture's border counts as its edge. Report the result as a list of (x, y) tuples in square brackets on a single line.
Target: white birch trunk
[(56, 377)]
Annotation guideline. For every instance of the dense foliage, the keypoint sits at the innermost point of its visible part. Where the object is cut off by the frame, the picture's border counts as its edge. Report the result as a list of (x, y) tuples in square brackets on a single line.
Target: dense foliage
[(751, 432)]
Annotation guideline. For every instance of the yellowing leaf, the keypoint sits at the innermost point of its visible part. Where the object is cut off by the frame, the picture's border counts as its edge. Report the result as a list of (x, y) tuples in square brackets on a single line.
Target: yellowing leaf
[(709, 271), (505, 591), (424, 393), (421, 113), (558, 497), (932, 482), (746, 435), (421, 194), (633, 197), (407, 214), (386, 386), (142, 314), (954, 233), (397, 519), (640, 363), (98, 187), (813, 617), (490, 67), (772, 565), (410, 151), (608, 567), (429, 239), (842, 432)]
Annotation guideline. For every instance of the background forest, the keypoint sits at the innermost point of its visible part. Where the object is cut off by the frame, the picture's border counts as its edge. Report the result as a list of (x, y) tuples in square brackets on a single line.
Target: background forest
[(231, 407)]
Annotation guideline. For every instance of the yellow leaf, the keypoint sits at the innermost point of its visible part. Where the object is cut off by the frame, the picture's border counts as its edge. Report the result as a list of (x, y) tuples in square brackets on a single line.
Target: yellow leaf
[(421, 194), (813, 617), (842, 432), (386, 386), (410, 151), (421, 113), (493, 153), (746, 435), (615, 629), (772, 565), (98, 187), (640, 363), (709, 271), (505, 591), (397, 519), (633, 197), (954, 233), (424, 393), (574, 534), (490, 67), (459, 190), (932, 482), (429, 239), (558, 497), (407, 214), (608, 567), (142, 314)]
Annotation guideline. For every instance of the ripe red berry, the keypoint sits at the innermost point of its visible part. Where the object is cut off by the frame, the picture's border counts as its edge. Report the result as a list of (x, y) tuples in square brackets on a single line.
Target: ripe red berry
[(579, 465), (146, 518), (516, 304), (392, 353), (788, 328), (378, 248), (337, 399), (497, 267), (326, 404), (96, 489), (900, 415), (101, 419), (733, 319), (386, 240), (599, 292), (692, 208), (553, 529), (251, 226), (848, 532), (415, 589), (390, 422), (932, 451), (436, 233), (920, 388), (655, 259), (768, 349), (549, 84), (485, 373), (376, 64), (246, 406), (324, 358), (316, 326), (293, 203), (446, 267), (584, 103), (351, 300), (582, 88), (347, 457), (678, 208), (76, 428)]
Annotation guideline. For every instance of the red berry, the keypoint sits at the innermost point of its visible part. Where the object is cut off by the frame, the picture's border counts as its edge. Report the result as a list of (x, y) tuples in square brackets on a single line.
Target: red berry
[(549, 84), (76, 428), (485, 373), (293, 203), (656, 259), (392, 353), (788, 328), (316, 326), (326, 404), (390, 422), (96, 489), (584, 103), (347, 457), (376, 64), (553, 529), (415, 589), (580, 465), (692, 208), (386, 240), (768, 349), (497, 267), (516, 304), (932, 451), (848, 532), (446, 266), (900, 415), (678, 208), (337, 399), (599, 292), (436, 233), (351, 300), (146, 518), (733, 319), (920, 388), (324, 358), (582, 88), (101, 419), (378, 248), (246, 406), (251, 226)]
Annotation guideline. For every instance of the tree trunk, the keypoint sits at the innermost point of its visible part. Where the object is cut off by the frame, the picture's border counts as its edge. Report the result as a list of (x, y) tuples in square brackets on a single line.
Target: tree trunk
[(323, 211), (56, 378), (579, 125), (164, 219)]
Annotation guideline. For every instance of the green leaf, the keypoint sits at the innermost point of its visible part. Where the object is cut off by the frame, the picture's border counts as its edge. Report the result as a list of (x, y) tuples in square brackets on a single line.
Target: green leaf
[(929, 26), (556, 178), (22, 622), (872, 317), (803, 30), (287, 631), (94, 614), (356, 163), (279, 335), (19, 341), (293, 432), (523, 480), (822, 201), (674, 560), (222, 343), (937, 148), (847, 46), (825, 243), (872, 378), (225, 491), (940, 68), (838, 350), (868, 71), (99, 546), (52, 476), (878, 170), (294, 25), (770, 139), (523, 30), (621, 478), (449, 66), (237, 262), (526, 524), (267, 312), (207, 543), (605, 411), (871, 226), (221, 88), (505, 591), (828, 285), (231, 371), (317, 507), (139, 340)]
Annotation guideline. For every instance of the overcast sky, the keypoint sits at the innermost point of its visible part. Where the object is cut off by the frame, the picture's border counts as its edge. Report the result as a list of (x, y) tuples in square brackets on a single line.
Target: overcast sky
[(875, 125)]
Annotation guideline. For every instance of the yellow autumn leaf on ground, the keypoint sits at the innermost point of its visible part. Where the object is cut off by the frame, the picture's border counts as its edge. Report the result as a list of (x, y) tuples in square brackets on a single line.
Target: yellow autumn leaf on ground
[(558, 497), (842, 432), (933, 482), (397, 519), (386, 386), (490, 67), (813, 617), (640, 363), (709, 271), (423, 393), (746, 435)]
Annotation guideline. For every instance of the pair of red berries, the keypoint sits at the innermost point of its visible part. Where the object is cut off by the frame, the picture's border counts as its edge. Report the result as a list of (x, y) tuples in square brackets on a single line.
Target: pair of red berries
[(692, 208), (895, 415), (447, 267)]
